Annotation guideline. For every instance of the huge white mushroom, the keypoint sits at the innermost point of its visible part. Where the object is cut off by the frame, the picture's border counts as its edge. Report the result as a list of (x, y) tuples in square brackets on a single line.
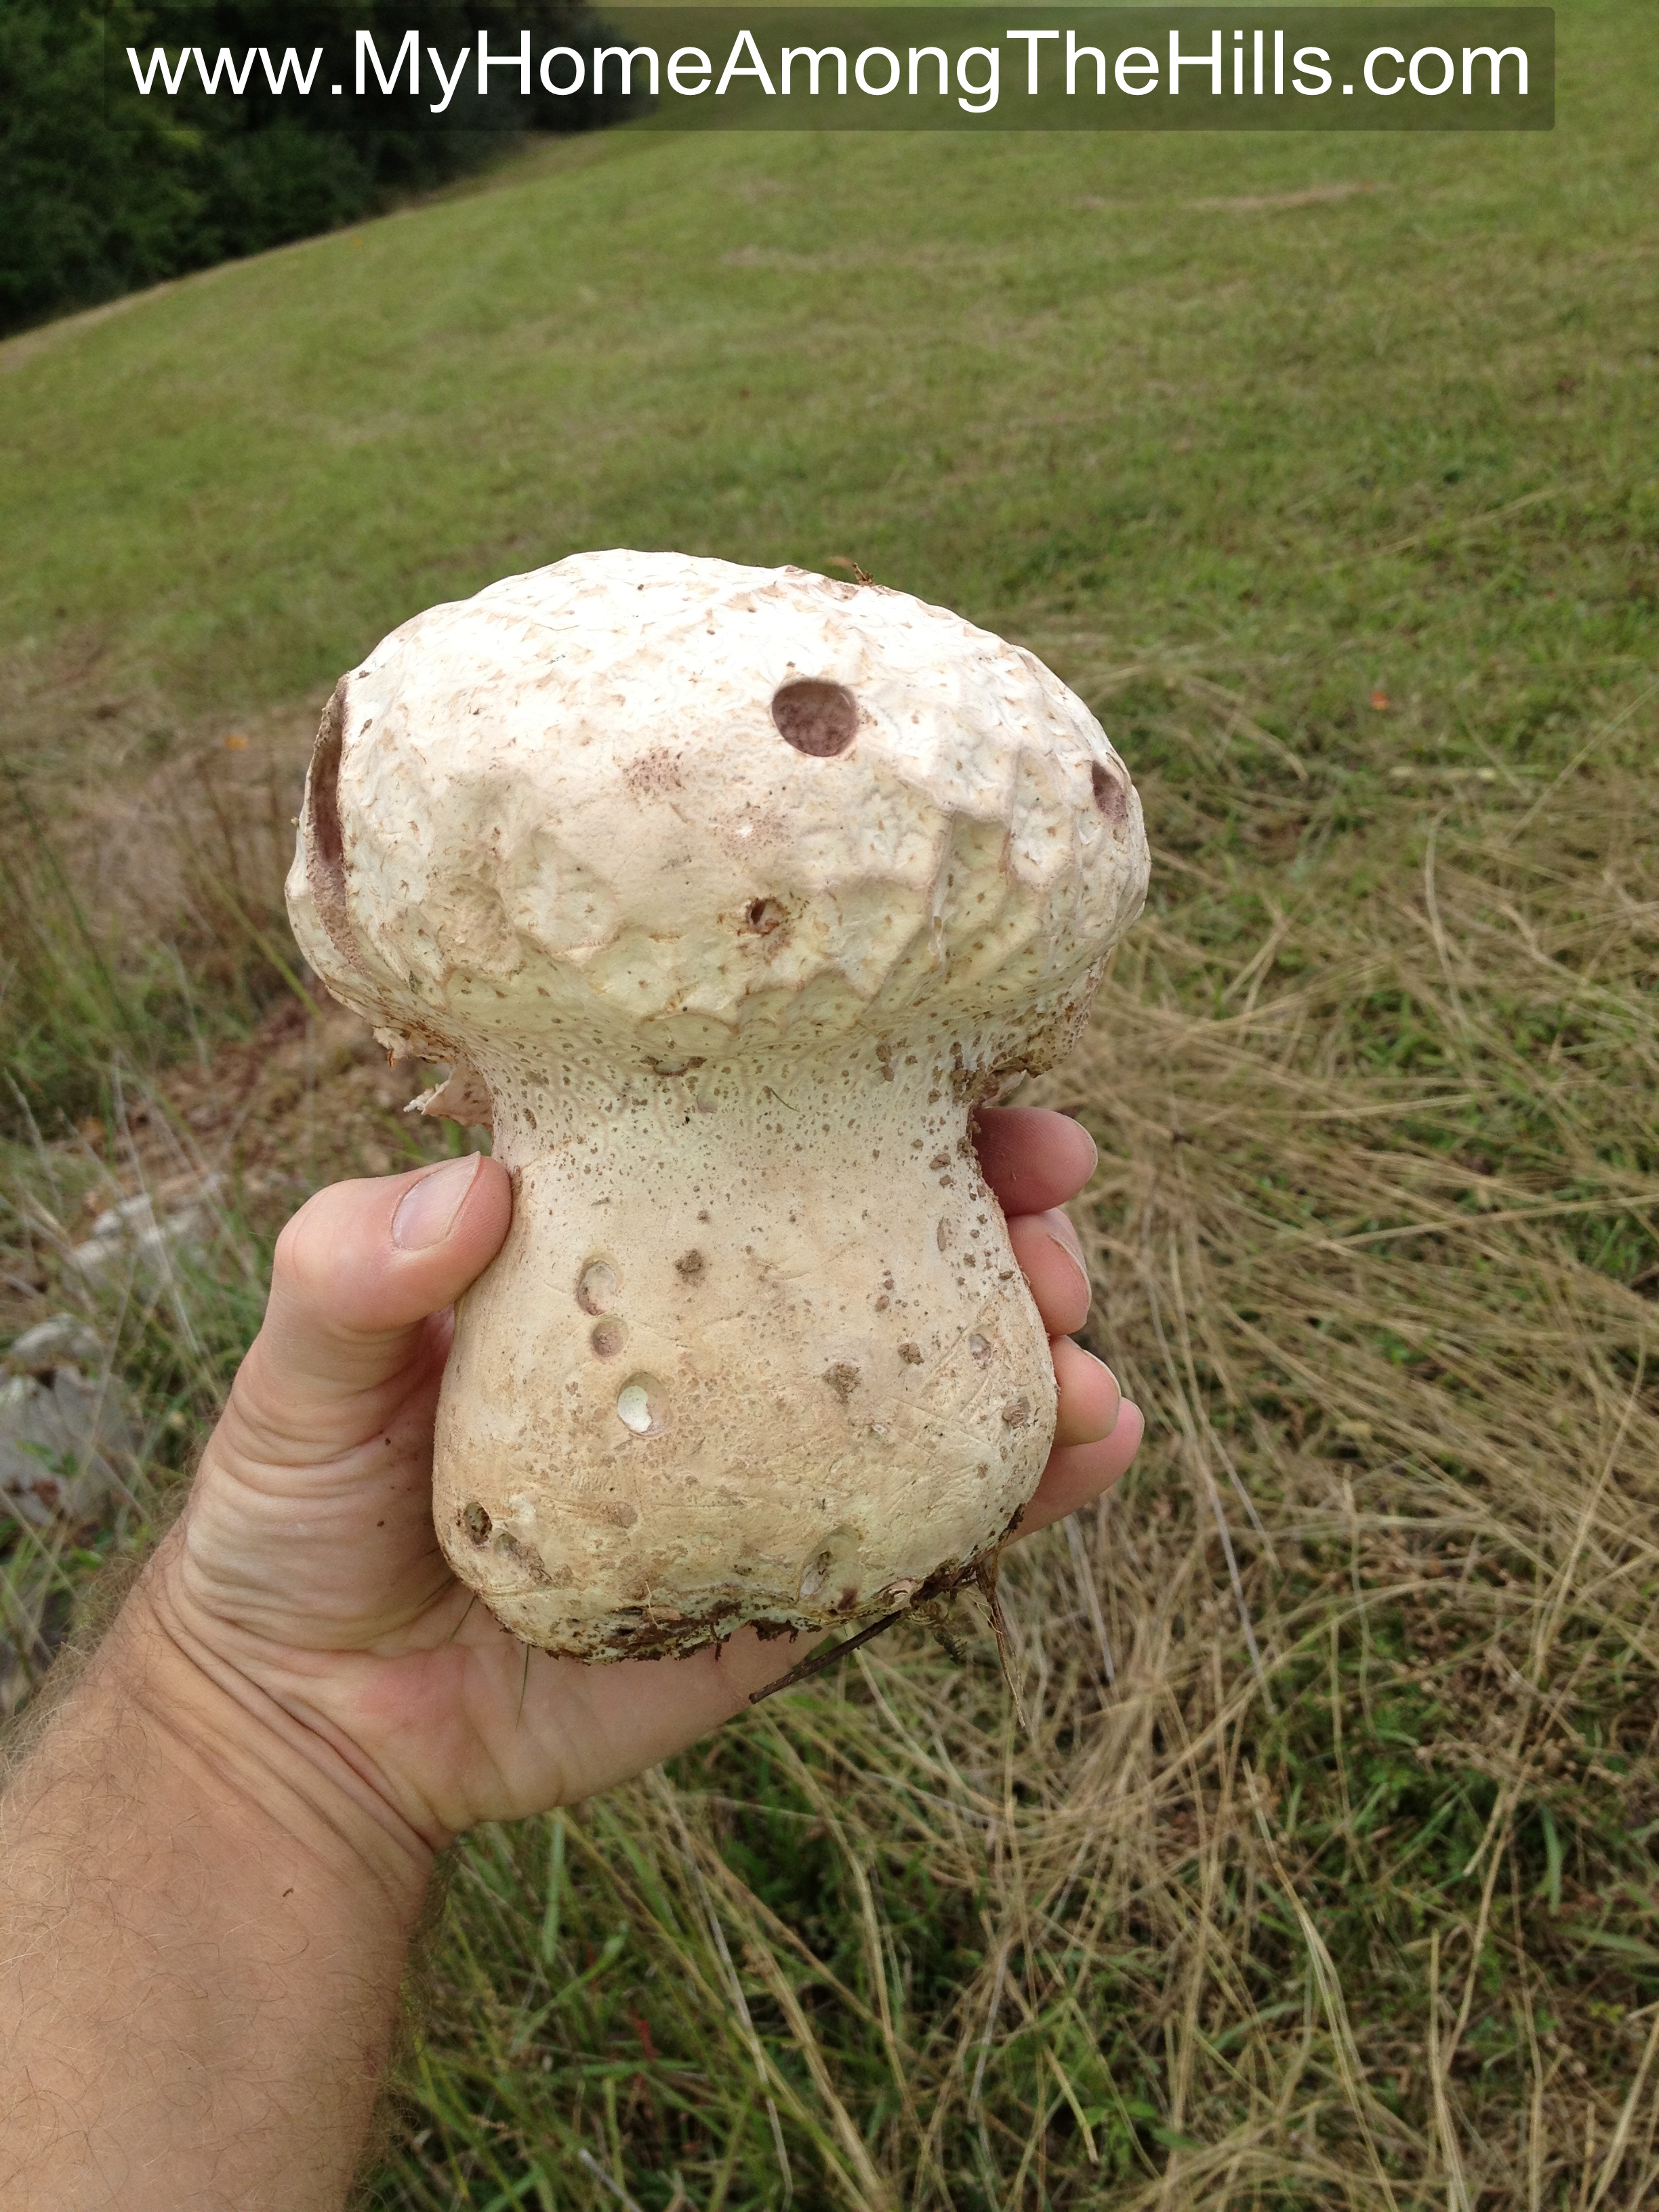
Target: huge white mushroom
[(728, 893)]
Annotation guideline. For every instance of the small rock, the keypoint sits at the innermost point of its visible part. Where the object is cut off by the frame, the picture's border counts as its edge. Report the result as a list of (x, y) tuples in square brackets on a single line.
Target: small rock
[(67, 1432), (133, 1233), (63, 1341)]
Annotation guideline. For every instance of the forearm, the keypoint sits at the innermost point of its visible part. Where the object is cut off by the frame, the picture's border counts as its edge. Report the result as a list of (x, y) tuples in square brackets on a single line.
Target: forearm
[(203, 1925)]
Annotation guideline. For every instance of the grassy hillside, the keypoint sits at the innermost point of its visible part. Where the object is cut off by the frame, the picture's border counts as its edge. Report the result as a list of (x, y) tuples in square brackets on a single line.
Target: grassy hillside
[(1326, 468), (1146, 383)]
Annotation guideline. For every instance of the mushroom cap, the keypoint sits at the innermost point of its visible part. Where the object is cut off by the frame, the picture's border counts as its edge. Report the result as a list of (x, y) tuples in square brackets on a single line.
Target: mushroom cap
[(684, 806)]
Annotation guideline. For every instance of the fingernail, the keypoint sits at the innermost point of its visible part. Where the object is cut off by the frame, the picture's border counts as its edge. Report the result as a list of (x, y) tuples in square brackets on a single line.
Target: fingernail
[(1060, 1245), (425, 1213), (1117, 1388)]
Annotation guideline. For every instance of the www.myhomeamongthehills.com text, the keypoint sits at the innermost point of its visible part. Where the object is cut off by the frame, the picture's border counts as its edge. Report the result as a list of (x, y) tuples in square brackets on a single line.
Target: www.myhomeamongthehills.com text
[(1137, 68)]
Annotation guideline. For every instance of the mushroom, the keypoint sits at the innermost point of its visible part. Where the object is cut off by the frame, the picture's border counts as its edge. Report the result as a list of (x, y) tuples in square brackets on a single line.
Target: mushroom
[(728, 894)]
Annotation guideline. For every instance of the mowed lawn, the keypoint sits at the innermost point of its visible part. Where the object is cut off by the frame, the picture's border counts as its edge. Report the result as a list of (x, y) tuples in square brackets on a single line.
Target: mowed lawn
[(1024, 376), (1327, 469)]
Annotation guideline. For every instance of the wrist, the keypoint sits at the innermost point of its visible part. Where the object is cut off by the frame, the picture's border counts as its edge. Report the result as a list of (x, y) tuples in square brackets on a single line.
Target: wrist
[(203, 1928), (231, 1744)]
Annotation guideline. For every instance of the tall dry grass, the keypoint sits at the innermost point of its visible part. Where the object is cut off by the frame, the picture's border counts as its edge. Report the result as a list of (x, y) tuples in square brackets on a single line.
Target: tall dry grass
[(141, 912), (1324, 1873)]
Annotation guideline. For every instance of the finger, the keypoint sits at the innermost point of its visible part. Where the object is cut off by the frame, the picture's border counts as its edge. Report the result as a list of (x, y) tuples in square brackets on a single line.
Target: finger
[(1089, 1396), (1033, 1159), (602, 1723), (1078, 1474), (362, 1264), (1046, 1252)]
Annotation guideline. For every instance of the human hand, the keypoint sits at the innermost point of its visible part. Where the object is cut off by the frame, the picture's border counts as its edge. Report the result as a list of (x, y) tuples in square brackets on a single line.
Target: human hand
[(306, 1566)]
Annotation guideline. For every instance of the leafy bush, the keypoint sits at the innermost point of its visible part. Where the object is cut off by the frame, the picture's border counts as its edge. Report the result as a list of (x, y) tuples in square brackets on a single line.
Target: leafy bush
[(93, 211)]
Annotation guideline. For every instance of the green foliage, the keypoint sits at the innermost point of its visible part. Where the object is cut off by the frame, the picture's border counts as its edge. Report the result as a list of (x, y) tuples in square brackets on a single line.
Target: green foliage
[(88, 214), (93, 209)]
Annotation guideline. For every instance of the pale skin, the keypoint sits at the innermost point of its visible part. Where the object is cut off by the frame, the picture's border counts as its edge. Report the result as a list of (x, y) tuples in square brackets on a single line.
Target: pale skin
[(219, 1849)]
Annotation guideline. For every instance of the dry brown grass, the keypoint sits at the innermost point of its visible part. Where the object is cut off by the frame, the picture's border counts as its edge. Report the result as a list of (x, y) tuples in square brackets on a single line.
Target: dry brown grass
[(140, 906), (1323, 1875)]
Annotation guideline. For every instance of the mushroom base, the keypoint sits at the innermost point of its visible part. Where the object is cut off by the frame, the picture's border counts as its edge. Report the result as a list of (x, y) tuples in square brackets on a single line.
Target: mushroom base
[(633, 1633), (741, 1362)]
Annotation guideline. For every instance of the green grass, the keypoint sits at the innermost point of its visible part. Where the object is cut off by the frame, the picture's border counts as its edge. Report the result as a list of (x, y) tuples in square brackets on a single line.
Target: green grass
[(1366, 1919), (1029, 377)]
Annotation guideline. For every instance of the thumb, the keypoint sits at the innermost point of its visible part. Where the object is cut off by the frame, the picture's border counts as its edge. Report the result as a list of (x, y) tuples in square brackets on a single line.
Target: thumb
[(362, 1266)]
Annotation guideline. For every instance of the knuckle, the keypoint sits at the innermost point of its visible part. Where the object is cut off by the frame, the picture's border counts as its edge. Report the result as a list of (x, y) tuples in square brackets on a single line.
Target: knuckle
[(295, 1261)]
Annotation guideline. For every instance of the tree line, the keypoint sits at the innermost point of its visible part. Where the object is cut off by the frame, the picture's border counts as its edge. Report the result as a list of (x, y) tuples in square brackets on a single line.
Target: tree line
[(98, 199)]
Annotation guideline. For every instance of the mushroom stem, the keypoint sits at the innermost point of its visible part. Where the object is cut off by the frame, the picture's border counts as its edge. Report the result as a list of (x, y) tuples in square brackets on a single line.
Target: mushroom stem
[(733, 1303)]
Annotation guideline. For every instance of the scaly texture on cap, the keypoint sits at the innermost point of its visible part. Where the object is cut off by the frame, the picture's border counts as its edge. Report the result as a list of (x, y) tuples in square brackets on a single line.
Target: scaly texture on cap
[(727, 891)]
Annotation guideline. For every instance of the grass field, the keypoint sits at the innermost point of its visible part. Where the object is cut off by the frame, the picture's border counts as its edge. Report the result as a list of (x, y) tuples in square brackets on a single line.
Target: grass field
[(1325, 470)]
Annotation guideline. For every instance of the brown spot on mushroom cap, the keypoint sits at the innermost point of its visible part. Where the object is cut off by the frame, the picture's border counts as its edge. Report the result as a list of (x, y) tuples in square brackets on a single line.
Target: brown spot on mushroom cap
[(1110, 797), (843, 1379), (819, 719), (325, 840), (689, 1265), (763, 915), (910, 1354), (653, 773)]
